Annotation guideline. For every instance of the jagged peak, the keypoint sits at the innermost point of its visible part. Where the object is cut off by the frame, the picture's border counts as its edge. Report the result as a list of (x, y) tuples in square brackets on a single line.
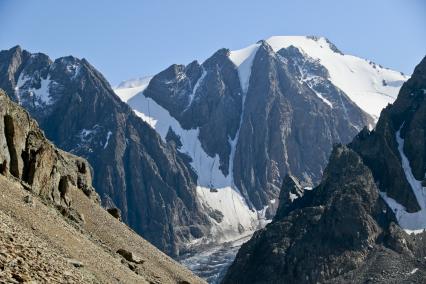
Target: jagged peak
[(16, 48)]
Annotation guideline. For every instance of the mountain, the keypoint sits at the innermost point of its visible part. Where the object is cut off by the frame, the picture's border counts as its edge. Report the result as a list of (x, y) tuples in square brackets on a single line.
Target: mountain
[(365, 222), (134, 169), (53, 228), (248, 117), (199, 156)]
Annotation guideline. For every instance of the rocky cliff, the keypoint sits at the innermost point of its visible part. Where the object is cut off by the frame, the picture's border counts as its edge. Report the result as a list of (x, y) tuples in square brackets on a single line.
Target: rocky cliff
[(365, 221), (53, 228)]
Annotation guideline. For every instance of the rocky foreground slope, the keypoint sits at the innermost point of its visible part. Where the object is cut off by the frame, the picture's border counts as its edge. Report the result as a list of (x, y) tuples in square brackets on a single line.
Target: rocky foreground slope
[(52, 227), (365, 221)]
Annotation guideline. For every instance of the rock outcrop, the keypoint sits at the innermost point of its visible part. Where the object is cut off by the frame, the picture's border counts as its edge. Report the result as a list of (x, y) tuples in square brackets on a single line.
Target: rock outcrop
[(30, 158), (352, 228), (53, 228), (290, 191)]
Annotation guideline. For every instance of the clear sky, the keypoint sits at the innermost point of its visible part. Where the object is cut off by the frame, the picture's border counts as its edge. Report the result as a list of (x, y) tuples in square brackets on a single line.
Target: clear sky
[(131, 38)]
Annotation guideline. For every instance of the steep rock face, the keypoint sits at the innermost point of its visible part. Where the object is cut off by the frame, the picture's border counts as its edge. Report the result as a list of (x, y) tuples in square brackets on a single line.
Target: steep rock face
[(401, 123), (283, 114), (146, 178), (290, 191), (344, 230), (207, 97), (26, 155)]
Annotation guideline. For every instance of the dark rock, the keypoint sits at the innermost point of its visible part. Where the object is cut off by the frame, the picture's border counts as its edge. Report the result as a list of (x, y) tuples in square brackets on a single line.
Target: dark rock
[(327, 232), (279, 124), (75, 263), (129, 256), (115, 212), (290, 191), (282, 116), (343, 231), (28, 199), (216, 215), (172, 137)]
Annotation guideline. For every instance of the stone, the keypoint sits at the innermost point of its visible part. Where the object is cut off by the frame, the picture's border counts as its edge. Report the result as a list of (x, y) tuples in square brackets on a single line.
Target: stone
[(28, 199), (115, 212), (129, 256), (75, 263)]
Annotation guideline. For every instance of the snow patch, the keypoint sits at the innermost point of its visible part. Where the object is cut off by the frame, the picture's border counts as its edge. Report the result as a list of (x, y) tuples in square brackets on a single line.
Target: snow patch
[(243, 59), (293, 196), (107, 139), (410, 222), (414, 271), (214, 189), (41, 95), (73, 69), (199, 81), (237, 216)]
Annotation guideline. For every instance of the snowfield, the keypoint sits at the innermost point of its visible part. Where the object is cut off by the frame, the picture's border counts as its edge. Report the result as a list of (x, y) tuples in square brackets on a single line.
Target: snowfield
[(367, 84)]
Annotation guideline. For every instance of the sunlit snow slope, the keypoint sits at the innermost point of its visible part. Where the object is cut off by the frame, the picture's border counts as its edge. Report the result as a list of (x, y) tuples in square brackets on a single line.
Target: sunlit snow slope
[(369, 85)]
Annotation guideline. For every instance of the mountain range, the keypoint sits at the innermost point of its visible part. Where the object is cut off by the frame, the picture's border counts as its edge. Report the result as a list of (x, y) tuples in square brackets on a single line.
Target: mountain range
[(196, 155)]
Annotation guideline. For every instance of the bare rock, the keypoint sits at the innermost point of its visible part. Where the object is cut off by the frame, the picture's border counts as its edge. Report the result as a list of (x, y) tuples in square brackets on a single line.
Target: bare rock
[(75, 263), (115, 212), (28, 199), (129, 256)]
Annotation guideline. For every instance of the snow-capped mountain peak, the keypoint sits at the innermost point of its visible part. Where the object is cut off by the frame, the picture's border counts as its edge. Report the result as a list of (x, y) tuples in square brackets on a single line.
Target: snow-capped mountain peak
[(368, 84)]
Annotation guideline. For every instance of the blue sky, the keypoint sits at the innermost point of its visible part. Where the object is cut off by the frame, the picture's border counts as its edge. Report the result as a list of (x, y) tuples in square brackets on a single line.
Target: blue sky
[(126, 39)]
